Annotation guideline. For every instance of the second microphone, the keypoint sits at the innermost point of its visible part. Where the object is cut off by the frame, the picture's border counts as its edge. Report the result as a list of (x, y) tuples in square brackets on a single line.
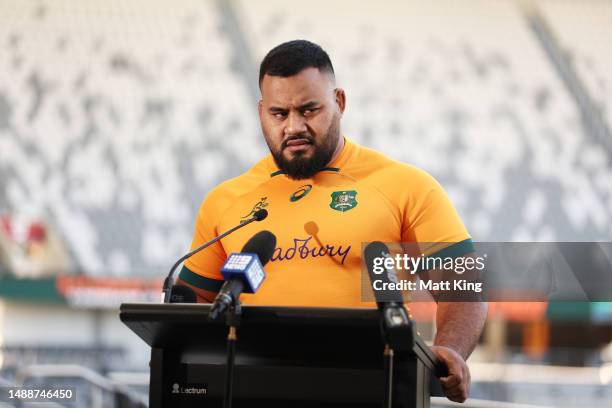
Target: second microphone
[(243, 272)]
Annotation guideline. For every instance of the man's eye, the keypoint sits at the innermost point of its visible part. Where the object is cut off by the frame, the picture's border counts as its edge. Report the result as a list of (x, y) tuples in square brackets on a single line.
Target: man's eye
[(307, 112), (280, 115)]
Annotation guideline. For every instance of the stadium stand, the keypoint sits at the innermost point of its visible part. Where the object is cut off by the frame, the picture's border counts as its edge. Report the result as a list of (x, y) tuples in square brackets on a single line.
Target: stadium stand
[(114, 127), (583, 29), (476, 103), (115, 119)]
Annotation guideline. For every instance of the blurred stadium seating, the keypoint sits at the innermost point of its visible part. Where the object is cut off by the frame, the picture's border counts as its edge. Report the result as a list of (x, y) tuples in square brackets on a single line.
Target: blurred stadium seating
[(116, 119), (464, 90), (582, 28)]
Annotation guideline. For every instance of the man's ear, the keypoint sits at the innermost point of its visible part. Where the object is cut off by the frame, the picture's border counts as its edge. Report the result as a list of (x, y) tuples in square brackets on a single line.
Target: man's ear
[(340, 99), (260, 109)]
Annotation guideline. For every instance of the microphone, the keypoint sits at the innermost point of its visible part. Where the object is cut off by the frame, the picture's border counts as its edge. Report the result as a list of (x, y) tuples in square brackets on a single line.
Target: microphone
[(243, 272), (396, 323), (259, 215), (397, 326), (376, 255)]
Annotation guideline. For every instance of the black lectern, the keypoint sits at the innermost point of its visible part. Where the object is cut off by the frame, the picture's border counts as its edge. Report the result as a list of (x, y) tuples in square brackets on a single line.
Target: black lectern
[(285, 357)]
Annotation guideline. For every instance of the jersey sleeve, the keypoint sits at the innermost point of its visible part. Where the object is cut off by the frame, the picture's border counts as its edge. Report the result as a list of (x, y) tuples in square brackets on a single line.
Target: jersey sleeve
[(203, 269), (430, 219)]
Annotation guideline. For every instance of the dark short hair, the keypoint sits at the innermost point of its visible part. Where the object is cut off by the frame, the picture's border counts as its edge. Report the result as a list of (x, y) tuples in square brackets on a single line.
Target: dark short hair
[(290, 58)]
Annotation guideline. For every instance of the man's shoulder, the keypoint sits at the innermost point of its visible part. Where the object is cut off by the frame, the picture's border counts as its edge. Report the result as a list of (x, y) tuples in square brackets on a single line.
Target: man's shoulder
[(376, 165), (226, 192)]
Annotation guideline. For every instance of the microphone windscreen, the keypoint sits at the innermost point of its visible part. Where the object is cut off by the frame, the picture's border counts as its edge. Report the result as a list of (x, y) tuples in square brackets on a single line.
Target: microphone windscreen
[(260, 214), (377, 251), (262, 244), (374, 250)]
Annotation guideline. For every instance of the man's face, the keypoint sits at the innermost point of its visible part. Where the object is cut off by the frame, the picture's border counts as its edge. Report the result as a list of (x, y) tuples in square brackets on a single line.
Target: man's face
[(300, 118)]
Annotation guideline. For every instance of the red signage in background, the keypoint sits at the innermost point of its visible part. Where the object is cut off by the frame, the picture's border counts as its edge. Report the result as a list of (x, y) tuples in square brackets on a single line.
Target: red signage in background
[(95, 292)]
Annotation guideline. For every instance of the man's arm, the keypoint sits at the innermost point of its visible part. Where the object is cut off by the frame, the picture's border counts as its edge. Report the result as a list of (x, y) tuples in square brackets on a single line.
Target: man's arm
[(430, 218), (459, 327)]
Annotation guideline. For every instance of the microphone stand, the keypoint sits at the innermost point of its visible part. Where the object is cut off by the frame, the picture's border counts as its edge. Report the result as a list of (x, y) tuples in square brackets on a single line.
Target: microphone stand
[(388, 368), (398, 334), (169, 281), (232, 321)]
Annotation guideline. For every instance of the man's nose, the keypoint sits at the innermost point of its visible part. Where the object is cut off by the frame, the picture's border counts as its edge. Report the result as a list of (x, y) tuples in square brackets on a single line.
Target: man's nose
[(296, 124)]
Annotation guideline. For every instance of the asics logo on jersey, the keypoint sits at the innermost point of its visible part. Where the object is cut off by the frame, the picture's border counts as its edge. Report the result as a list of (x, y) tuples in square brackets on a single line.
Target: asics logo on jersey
[(300, 193)]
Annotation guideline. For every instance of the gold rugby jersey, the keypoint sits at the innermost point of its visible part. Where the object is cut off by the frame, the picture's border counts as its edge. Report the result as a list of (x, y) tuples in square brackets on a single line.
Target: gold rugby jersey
[(320, 225)]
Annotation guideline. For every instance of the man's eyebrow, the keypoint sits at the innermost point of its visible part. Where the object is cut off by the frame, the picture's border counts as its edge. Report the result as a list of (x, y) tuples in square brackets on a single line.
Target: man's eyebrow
[(309, 105)]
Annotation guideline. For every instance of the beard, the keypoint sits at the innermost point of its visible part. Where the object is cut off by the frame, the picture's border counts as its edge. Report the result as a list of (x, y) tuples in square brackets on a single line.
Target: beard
[(301, 167)]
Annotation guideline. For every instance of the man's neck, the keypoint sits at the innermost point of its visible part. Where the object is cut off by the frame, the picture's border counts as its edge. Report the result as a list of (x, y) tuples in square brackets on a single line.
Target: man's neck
[(338, 150)]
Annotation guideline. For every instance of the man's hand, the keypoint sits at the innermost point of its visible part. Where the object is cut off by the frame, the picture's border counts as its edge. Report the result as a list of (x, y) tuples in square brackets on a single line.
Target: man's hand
[(457, 385)]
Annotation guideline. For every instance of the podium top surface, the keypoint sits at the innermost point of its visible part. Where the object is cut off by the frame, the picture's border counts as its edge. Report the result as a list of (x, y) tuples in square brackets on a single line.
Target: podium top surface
[(251, 315), (157, 324)]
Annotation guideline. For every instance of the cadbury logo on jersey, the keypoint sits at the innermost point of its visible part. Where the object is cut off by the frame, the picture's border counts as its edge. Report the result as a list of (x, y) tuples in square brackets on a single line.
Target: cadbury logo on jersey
[(302, 250)]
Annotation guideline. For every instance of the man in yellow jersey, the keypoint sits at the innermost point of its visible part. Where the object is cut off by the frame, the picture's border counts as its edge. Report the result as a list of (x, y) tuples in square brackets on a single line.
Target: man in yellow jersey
[(326, 196)]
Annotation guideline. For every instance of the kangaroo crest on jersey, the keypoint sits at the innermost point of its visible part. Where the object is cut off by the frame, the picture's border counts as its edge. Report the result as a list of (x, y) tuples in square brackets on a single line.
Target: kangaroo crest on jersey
[(261, 204)]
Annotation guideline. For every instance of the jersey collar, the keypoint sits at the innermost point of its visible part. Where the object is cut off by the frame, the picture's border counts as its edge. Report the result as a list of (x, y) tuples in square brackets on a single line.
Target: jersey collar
[(335, 165)]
